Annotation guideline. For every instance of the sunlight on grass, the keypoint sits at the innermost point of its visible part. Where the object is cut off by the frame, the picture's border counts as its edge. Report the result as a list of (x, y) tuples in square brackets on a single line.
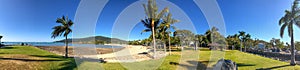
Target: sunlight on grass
[(26, 57), (246, 61)]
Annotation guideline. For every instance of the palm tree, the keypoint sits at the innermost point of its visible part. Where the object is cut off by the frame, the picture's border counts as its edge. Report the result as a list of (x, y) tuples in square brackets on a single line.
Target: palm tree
[(63, 29), (0, 40), (248, 41), (287, 21), (242, 36), (168, 24), (152, 19)]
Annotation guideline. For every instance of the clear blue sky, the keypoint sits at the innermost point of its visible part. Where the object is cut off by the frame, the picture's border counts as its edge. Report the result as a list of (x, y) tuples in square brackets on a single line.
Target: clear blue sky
[(32, 20)]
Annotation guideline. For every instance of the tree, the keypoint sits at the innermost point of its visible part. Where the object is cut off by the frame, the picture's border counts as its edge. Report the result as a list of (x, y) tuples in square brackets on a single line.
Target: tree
[(233, 41), (242, 36), (0, 40), (290, 18), (297, 45), (168, 25), (201, 39), (63, 29), (152, 19), (248, 41), (185, 36)]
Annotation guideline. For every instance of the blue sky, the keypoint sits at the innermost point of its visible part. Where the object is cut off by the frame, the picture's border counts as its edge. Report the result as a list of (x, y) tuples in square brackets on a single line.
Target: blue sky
[(32, 20)]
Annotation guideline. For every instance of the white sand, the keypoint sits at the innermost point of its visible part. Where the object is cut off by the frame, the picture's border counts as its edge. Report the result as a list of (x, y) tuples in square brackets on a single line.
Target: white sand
[(129, 54)]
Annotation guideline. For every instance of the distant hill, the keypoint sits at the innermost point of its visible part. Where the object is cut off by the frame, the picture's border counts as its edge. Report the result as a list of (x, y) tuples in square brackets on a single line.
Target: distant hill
[(95, 40)]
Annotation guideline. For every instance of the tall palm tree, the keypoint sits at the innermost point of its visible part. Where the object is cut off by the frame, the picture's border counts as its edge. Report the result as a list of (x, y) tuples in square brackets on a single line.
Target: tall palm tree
[(63, 29), (290, 18), (0, 40), (152, 19)]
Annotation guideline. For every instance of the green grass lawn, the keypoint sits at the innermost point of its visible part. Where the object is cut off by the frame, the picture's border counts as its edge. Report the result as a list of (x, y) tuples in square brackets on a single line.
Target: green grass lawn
[(31, 58), (246, 61)]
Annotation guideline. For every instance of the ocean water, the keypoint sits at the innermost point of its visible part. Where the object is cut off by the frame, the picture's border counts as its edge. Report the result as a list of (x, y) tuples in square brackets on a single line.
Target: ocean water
[(60, 44)]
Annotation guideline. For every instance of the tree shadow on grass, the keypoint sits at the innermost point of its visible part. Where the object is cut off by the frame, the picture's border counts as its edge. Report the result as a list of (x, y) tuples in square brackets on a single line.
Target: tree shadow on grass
[(244, 65), (202, 65), (7, 47), (29, 60), (49, 56), (69, 65), (275, 67), (72, 64)]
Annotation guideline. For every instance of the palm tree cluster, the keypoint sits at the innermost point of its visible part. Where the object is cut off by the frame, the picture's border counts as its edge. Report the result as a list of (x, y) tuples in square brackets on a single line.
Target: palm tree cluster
[(158, 23)]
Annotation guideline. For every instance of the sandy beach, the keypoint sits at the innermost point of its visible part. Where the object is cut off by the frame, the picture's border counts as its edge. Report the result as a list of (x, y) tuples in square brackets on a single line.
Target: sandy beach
[(60, 50), (129, 53)]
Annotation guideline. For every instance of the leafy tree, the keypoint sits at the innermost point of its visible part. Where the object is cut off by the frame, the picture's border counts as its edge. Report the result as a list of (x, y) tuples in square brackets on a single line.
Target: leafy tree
[(217, 39), (185, 36), (233, 41), (297, 45), (152, 19), (290, 18), (201, 39), (63, 29)]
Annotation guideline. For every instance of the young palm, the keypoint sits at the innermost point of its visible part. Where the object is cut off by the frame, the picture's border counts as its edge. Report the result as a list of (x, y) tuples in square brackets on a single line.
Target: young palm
[(287, 21), (168, 25), (152, 19), (63, 29)]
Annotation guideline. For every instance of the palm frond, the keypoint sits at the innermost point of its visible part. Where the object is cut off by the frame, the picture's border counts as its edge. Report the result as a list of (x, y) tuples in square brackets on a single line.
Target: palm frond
[(282, 29), (146, 30), (160, 15)]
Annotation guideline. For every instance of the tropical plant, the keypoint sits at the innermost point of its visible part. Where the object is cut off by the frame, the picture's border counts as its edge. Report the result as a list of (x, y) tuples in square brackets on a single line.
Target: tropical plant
[(63, 29), (233, 41), (242, 36), (248, 42), (201, 39), (297, 45), (0, 40), (152, 19), (290, 18), (167, 25)]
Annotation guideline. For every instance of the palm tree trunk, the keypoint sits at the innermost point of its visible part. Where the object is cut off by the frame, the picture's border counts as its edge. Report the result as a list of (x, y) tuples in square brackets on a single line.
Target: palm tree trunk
[(241, 46), (292, 49), (245, 49), (165, 49), (169, 46), (196, 45), (66, 42), (153, 38)]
